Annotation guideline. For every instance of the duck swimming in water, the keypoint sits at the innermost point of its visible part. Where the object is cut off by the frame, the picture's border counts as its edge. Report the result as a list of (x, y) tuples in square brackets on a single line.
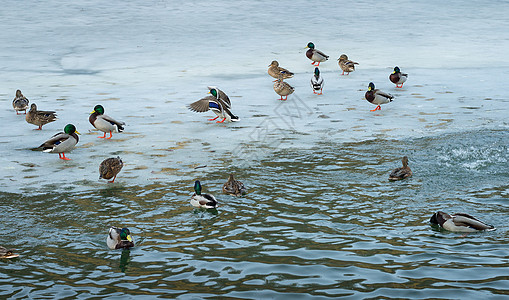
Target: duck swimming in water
[(459, 222)]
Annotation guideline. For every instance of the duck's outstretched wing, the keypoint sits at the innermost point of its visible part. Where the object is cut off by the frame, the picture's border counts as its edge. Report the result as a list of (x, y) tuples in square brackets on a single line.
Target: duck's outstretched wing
[(201, 105)]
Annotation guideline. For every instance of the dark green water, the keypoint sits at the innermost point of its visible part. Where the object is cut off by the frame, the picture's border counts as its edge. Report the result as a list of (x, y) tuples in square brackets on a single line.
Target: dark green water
[(322, 222)]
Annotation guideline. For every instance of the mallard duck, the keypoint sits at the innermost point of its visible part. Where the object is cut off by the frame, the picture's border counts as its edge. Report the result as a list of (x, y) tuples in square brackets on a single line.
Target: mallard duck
[(275, 70), (283, 88), (7, 253), (459, 222), (377, 97), (397, 77), (104, 122), (62, 142), (39, 117), (401, 173), (346, 65), (218, 102), (20, 102), (234, 187), (316, 56), (317, 82), (110, 167), (202, 200), (214, 91), (119, 238)]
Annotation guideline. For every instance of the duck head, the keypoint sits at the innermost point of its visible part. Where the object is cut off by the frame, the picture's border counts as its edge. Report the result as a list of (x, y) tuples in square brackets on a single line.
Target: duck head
[(197, 187), (98, 109), (70, 129)]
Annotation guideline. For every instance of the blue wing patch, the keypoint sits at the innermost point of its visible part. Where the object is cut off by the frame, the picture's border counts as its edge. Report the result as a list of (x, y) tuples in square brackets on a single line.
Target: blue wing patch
[(213, 105)]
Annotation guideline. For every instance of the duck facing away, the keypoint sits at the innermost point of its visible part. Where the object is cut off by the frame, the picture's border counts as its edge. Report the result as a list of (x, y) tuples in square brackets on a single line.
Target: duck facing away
[(315, 55), (39, 117), (202, 200), (317, 82), (218, 102), (104, 122), (397, 77), (275, 70), (283, 88), (119, 238), (377, 97), (7, 253), (20, 102), (110, 167), (346, 65), (234, 187), (459, 222), (62, 142), (401, 173)]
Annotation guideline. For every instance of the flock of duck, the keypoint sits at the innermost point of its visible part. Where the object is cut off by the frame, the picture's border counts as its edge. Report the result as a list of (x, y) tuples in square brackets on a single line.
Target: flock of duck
[(219, 103)]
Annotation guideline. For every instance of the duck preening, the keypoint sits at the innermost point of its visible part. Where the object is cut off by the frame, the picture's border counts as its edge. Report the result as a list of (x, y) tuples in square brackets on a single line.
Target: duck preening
[(459, 222)]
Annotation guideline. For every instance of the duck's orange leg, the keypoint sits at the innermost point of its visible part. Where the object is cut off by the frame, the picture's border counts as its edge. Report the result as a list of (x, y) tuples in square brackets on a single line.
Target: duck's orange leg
[(213, 119), (63, 156), (102, 137), (108, 137), (221, 120), (377, 108), (113, 180)]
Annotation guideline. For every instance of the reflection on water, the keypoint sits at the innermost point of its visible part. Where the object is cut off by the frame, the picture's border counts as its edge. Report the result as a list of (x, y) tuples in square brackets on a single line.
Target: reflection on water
[(323, 221)]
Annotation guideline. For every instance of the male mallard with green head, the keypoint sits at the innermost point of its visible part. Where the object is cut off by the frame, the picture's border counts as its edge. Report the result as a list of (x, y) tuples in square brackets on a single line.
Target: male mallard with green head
[(315, 55), (218, 102), (346, 65), (119, 238), (275, 70), (377, 97), (7, 253), (202, 200), (317, 82), (397, 77), (62, 142), (401, 173), (104, 122), (234, 187), (459, 222), (39, 117), (283, 88), (110, 167), (20, 102)]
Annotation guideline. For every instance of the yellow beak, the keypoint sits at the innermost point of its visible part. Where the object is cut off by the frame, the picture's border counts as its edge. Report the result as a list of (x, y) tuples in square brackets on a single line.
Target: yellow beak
[(92, 112), (129, 238), (77, 132)]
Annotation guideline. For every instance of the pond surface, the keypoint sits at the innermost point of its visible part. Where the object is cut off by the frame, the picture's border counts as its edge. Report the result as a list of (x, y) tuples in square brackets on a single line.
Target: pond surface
[(320, 218)]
